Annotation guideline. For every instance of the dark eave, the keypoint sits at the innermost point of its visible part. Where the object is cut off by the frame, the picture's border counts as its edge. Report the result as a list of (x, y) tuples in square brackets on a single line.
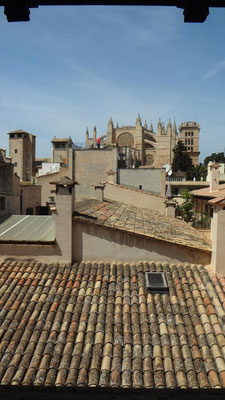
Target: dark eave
[(96, 393), (194, 10)]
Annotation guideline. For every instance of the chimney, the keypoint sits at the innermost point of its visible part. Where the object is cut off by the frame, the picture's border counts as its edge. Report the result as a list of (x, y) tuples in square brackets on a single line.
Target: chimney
[(218, 237), (62, 213), (213, 176)]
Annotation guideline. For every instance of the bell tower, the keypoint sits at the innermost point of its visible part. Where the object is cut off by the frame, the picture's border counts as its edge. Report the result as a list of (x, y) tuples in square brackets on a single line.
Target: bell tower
[(189, 134)]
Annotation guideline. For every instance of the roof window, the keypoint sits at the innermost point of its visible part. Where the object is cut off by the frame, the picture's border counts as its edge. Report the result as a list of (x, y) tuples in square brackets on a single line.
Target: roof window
[(156, 282)]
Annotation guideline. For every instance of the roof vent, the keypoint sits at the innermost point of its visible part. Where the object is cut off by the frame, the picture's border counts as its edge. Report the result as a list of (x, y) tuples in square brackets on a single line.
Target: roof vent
[(156, 282)]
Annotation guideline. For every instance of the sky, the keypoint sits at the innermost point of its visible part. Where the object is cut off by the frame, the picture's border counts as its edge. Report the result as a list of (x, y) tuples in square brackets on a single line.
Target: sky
[(74, 67)]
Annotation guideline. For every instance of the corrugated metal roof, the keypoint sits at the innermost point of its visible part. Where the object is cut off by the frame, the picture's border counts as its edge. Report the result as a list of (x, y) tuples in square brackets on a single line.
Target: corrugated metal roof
[(28, 228)]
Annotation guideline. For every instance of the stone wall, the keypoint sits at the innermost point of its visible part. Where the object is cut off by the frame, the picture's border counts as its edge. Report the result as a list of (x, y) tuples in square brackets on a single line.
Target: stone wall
[(9, 189), (91, 168), (134, 197), (150, 180), (31, 197), (95, 242)]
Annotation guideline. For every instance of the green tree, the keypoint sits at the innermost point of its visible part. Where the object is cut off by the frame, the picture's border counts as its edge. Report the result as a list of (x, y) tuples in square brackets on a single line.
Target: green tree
[(187, 205), (182, 161), (200, 172), (217, 157)]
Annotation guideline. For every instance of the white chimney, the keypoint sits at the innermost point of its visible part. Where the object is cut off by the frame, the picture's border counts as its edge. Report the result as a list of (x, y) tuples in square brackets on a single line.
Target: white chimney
[(213, 176)]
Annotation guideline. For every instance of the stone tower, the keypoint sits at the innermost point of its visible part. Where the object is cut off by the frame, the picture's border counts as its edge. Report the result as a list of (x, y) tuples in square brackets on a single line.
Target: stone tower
[(22, 152), (189, 134)]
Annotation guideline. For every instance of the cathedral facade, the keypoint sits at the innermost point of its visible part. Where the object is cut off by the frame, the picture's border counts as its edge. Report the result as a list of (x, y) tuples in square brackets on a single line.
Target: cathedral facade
[(145, 147)]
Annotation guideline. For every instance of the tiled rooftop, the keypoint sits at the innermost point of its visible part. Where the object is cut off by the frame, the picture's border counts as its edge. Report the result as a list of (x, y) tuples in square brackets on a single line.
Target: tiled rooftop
[(141, 221), (95, 325), (206, 192)]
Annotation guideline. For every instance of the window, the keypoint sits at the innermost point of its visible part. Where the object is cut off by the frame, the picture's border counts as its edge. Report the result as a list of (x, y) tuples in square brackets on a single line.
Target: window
[(2, 203), (15, 164), (20, 135), (191, 148), (15, 150), (175, 192), (191, 141), (140, 187), (11, 135), (60, 145), (156, 282)]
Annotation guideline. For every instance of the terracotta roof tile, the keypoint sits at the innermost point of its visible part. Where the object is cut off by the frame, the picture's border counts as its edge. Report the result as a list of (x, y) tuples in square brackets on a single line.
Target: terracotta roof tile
[(96, 325)]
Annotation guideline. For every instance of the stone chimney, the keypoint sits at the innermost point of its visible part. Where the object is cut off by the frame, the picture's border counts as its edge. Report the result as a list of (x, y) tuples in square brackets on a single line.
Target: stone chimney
[(62, 213), (213, 176)]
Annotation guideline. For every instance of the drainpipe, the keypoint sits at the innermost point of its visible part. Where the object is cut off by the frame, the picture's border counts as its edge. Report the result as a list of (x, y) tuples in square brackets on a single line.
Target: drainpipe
[(21, 202)]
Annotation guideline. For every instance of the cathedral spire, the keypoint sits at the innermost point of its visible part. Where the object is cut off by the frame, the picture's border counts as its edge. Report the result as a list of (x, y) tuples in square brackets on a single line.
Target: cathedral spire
[(138, 120), (151, 127), (110, 124), (175, 133), (146, 125), (169, 128), (87, 134), (163, 129), (94, 133), (159, 127)]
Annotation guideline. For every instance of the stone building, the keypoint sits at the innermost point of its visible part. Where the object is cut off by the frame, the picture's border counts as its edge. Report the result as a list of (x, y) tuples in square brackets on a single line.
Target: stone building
[(189, 134), (9, 186), (62, 150), (142, 146), (22, 152)]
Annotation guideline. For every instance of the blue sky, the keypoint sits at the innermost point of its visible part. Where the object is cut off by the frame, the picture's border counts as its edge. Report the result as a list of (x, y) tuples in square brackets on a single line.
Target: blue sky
[(73, 67)]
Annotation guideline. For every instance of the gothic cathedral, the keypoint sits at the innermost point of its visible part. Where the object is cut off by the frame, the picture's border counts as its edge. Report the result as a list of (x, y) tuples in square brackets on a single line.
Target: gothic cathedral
[(144, 146)]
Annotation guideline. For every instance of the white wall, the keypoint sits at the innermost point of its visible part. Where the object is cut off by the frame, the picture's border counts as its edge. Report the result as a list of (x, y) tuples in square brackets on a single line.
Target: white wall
[(48, 168)]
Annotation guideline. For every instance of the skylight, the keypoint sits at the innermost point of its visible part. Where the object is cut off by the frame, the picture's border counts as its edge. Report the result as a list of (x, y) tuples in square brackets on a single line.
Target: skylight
[(156, 282)]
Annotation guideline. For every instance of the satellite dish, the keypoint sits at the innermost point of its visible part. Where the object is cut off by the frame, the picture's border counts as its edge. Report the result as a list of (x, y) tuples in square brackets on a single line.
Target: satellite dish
[(167, 167)]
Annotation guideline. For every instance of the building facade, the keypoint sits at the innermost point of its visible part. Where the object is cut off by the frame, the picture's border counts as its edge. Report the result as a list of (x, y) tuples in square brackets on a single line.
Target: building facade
[(9, 186), (144, 147)]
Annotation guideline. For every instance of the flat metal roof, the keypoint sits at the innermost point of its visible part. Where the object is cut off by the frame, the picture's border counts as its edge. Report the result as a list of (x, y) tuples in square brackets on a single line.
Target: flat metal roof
[(28, 229)]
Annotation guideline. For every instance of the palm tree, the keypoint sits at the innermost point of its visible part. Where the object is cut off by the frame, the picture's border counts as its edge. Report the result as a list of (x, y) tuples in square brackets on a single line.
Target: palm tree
[(187, 205)]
